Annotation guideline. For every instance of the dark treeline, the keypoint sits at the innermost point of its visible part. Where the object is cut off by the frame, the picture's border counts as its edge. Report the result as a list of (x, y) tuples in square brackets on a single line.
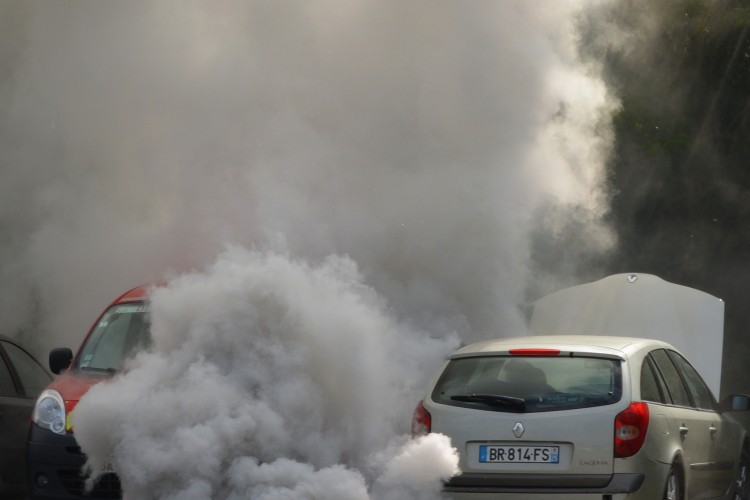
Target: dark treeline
[(680, 173)]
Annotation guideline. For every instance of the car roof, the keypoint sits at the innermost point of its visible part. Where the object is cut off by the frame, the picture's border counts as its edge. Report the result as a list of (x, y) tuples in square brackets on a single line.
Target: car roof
[(601, 345), (10, 339), (138, 293), (18, 344)]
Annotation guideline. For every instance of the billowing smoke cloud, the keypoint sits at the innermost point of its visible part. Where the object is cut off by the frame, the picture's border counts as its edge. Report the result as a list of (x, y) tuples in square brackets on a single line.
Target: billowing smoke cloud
[(384, 159), (270, 378), (416, 137)]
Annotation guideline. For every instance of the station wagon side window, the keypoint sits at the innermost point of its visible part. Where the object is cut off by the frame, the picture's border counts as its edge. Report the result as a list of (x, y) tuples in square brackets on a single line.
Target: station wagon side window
[(672, 379), (701, 394), (652, 388)]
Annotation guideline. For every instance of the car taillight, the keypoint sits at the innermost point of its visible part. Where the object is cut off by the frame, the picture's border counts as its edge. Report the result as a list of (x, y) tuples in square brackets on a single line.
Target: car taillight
[(630, 429), (421, 421)]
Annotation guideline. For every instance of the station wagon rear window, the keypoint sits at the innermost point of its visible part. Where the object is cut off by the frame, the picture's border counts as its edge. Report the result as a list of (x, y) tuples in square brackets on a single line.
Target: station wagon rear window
[(529, 384)]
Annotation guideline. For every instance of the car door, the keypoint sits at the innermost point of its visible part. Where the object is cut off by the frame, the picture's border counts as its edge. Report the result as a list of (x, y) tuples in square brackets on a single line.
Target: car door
[(14, 415), (718, 459), (21, 381), (696, 427)]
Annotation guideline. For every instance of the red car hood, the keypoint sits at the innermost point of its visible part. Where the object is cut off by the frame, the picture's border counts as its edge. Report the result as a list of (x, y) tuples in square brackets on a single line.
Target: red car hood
[(72, 385)]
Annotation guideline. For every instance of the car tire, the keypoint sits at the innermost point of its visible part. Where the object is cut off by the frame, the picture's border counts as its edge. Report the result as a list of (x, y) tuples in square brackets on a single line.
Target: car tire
[(673, 488), (741, 486)]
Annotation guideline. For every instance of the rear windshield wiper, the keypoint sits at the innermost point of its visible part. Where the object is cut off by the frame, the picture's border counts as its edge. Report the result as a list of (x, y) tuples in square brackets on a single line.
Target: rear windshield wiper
[(493, 400)]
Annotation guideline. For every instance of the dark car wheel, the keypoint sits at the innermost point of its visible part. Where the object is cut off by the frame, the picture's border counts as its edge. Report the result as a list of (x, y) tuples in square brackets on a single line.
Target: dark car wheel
[(673, 489), (741, 488)]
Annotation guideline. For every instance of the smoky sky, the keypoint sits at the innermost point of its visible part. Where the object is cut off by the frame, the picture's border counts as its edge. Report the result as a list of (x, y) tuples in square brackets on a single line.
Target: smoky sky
[(417, 138), (336, 194)]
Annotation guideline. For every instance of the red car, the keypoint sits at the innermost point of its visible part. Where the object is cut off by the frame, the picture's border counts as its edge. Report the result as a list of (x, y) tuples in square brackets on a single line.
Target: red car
[(54, 459)]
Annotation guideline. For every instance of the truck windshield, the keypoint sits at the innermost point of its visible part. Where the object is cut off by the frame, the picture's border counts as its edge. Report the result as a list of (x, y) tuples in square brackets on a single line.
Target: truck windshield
[(529, 384), (122, 331)]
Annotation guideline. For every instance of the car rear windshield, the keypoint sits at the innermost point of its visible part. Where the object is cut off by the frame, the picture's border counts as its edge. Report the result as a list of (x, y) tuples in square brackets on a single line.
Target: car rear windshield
[(122, 331), (529, 384)]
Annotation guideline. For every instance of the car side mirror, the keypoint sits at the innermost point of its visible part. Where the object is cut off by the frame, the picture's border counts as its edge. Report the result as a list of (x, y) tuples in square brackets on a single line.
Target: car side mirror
[(59, 359), (735, 402)]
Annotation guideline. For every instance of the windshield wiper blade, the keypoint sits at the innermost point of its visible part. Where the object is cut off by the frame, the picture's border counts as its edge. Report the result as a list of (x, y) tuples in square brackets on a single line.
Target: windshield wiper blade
[(111, 371), (493, 400)]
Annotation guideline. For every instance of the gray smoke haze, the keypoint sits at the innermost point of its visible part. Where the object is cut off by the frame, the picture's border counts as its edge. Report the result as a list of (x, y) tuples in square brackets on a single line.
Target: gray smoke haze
[(397, 152), (139, 138)]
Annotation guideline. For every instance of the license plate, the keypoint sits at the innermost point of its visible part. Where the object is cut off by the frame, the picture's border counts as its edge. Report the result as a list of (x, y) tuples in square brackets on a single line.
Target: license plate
[(507, 454)]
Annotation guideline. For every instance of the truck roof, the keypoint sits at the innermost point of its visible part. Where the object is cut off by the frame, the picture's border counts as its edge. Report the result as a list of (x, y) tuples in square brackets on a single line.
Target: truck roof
[(641, 305)]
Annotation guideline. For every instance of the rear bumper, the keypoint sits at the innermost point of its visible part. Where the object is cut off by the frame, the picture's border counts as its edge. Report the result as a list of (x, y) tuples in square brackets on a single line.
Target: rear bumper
[(574, 484), (54, 465), (535, 496)]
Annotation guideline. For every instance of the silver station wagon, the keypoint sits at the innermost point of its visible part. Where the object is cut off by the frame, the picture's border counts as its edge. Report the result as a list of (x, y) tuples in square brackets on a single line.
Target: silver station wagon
[(578, 417)]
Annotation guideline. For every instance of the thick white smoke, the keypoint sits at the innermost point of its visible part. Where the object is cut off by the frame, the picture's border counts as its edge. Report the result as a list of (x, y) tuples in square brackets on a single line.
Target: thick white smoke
[(270, 378), (416, 137), (386, 158)]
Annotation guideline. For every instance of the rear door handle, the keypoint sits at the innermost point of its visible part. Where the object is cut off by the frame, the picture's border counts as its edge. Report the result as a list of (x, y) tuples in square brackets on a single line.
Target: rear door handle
[(713, 431), (683, 429)]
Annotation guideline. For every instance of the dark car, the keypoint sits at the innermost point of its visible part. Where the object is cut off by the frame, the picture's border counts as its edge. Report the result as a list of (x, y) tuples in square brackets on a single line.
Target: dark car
[(54, 457), (22, 378)]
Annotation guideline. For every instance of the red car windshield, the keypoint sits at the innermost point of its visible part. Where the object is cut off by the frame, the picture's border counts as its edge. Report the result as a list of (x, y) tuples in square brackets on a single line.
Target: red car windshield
[(122, 331)]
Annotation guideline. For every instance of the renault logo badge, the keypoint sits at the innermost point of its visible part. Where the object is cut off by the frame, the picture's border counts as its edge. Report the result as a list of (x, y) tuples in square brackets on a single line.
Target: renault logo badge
[(518, 429)]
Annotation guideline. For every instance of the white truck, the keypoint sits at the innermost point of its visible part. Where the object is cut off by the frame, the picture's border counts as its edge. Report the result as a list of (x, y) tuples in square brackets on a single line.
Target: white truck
[(640, 305)]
